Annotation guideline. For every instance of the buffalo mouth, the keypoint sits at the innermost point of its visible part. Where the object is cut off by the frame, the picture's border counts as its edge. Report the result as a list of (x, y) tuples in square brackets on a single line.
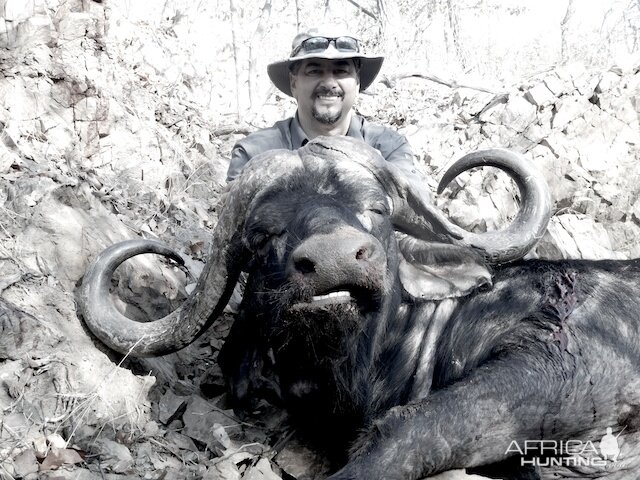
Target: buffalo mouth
[(317, 327), (350, 297)]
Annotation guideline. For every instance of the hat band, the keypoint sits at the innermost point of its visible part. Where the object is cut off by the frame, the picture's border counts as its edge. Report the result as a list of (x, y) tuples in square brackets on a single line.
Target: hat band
[(320, 44)]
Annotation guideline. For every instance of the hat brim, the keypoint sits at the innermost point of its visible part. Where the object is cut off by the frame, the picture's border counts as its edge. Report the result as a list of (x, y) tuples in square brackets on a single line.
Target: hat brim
[(369, 69)]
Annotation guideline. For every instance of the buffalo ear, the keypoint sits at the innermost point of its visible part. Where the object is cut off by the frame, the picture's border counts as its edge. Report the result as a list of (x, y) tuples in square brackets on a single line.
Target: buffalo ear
[(434, 271)]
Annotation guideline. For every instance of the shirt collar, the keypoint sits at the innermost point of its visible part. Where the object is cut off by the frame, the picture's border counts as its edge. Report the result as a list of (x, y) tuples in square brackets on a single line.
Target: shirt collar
[(355, 127), (299, 138)]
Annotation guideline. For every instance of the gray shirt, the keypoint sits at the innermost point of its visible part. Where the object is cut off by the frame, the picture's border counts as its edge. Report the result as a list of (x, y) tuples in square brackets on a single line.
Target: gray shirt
[(288, 134)]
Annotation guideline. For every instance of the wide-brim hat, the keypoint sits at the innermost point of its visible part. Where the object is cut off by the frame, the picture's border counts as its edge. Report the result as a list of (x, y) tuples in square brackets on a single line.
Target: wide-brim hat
[(369, 65)]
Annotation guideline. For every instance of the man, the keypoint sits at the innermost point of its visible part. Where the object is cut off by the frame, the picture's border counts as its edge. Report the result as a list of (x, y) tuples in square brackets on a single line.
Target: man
[(324, 73)]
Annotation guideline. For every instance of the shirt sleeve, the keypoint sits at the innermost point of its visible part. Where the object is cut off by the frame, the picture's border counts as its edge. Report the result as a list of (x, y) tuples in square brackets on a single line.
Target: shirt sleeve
[(239, 158), (400, 153), (263, 140), (395, 148)]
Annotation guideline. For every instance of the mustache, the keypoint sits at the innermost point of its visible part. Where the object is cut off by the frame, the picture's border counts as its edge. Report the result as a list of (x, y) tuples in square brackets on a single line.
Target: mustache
[(322, 90)]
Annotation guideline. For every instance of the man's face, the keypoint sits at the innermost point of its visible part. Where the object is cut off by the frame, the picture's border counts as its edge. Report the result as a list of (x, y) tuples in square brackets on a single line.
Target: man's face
[(325, 89)]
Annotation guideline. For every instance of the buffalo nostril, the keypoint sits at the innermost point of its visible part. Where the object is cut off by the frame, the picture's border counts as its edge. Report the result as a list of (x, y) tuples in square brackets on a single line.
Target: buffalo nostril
[(304, 265), (366, 252)]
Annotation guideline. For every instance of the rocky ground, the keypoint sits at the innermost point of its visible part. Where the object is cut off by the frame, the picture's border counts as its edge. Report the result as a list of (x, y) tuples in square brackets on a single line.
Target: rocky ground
[(108, 134)]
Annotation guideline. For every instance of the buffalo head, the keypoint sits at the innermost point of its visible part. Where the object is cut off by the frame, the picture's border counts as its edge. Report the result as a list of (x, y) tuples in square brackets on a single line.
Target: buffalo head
[(339, 246)]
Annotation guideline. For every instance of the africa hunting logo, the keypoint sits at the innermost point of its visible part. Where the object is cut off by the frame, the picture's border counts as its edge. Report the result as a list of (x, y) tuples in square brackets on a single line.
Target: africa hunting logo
[(567, 453)]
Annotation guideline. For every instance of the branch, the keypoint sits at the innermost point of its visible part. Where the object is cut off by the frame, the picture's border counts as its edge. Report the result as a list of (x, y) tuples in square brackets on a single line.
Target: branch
[(234, 28), (230, 129), (362, 9), (259, 37), (390, 81)]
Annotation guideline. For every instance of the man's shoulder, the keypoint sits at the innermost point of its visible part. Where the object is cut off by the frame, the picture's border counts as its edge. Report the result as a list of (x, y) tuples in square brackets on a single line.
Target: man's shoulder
[(274, 131), (380, 136), (269, 138)]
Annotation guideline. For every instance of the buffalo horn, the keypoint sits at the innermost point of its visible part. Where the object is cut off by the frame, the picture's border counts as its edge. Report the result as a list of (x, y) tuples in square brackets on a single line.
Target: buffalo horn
[(414, 212), (215, 284)]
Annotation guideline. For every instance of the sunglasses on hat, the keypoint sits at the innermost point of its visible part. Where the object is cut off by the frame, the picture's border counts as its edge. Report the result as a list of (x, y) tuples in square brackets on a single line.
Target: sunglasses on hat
[(320, 44)]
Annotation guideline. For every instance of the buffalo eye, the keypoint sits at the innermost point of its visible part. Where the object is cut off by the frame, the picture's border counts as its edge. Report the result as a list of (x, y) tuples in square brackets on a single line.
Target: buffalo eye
[(261, 243), (372, 216), (258, 241), (379, 209), (379, 206)]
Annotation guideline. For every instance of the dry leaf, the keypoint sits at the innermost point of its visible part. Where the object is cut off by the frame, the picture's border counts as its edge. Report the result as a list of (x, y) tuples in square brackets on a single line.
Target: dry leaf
[(58, 457)]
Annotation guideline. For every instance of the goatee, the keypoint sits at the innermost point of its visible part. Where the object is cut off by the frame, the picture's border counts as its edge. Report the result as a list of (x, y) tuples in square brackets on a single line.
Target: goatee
[(327, 118)]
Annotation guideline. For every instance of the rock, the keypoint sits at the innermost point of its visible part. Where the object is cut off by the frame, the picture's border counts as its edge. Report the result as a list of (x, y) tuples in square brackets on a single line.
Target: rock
[(90, 109), (612, 193), (56, 240), (621, 108), (569, 108), (77, 25), (595, 157), (181, 441), (221, 436), (26, 100), (201, 419), (55, 128), (114, 388), (540, 95), (223, 469), (635, 209), (536, 132), (472, 102), (7, 158), (169, 405), (113, 455), (261, 471), (586, 84), (575, 236), (583, 79), (56, 441), (608, 80), (40, 447), (518, 113), (586, 204), (555, 85), (498, 134), (492, 111), (301, 463), (151, 429), (25, 463)]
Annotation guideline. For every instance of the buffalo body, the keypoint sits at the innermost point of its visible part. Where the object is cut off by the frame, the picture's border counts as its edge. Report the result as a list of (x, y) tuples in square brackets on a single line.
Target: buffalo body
[(425, 347)]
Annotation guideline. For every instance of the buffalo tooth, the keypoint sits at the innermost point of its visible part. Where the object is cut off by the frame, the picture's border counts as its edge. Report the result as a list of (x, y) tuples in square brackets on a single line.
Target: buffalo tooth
[(334, 295)]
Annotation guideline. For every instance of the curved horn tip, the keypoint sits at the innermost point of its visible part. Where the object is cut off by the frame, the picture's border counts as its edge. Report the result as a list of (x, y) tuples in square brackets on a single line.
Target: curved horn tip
[(533, 216)]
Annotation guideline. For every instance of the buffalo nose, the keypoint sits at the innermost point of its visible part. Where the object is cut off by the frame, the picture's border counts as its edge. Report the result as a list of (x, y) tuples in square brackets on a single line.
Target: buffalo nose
[(307, 260), (337, 257), (303, 264)]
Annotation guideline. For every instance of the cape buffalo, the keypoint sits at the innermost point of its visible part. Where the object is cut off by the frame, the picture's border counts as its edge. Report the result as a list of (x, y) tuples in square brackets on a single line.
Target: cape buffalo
[(366, 309)]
